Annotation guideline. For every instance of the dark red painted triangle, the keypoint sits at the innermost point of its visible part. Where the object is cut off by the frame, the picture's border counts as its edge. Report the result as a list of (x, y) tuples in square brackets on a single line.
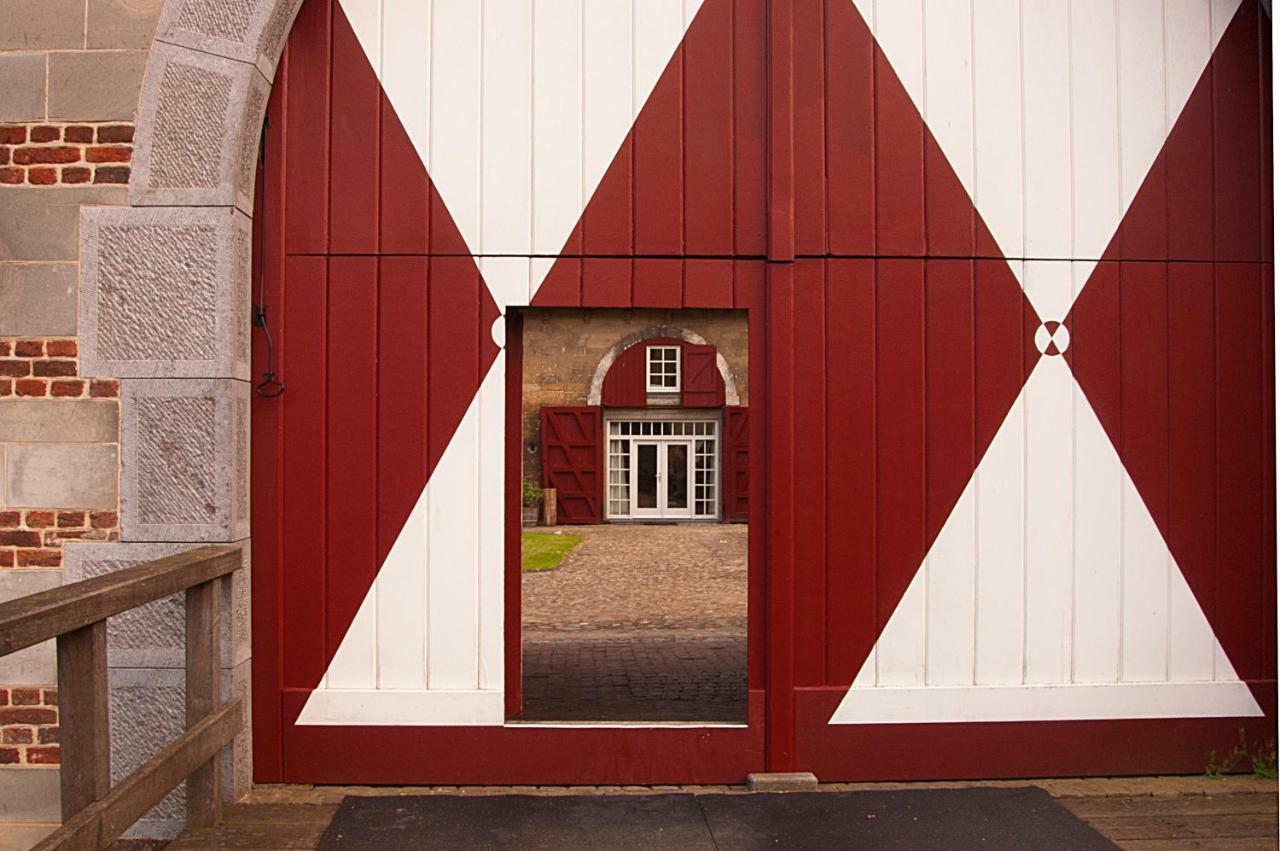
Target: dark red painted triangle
[(1171, 340), (969, 318), (433, 345), (967, 335)]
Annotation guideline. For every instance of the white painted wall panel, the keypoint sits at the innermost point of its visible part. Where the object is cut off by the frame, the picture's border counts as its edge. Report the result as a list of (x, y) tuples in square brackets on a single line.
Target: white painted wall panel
[(1060, 678), (1094, 130), (505, 196), (517, 107), (1046, 134), (1071, 103)]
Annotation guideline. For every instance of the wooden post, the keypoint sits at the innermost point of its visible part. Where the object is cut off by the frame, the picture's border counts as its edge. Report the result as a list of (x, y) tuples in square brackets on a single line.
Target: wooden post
[(549, 506), (204, 605), (82, 717)]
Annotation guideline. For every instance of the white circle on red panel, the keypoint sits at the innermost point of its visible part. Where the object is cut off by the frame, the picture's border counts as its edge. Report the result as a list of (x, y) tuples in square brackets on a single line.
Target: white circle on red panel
[(1052, 338)]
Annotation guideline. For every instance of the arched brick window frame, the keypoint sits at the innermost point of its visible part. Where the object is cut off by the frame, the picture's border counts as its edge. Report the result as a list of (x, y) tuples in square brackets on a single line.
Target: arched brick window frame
[(658, 331)]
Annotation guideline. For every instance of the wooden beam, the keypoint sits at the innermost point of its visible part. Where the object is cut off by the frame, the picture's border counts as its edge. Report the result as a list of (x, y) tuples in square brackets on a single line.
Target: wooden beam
[(38, 617), (204, 603), (83, 727), (102, 822)]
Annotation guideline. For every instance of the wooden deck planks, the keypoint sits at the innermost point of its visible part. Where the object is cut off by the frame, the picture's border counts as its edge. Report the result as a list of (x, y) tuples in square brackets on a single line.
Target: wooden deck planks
[(1138, 814)]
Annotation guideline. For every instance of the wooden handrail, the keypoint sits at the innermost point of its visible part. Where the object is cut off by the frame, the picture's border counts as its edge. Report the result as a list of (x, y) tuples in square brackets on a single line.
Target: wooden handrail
[(98, 825), (57, 611), (94, 813)]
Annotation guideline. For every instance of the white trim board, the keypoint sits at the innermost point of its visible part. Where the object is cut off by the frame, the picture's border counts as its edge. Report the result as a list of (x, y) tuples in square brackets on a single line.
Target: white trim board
[(1070, 702)]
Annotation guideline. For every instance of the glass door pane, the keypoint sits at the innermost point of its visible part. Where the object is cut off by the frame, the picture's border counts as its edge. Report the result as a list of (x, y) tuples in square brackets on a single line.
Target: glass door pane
[(677, 475), (646, 475)]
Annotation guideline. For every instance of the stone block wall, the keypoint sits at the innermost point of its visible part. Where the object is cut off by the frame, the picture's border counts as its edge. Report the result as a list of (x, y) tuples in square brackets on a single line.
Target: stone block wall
[(124, 342), (563, 347)]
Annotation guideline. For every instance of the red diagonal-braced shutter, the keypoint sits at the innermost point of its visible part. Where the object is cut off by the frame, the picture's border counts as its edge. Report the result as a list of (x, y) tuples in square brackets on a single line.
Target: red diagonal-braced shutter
[(624, 386), (571, 462), (736, 475), (703, 386)]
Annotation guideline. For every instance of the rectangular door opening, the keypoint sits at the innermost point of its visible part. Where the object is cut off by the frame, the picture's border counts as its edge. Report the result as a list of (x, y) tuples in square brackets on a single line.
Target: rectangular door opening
[(633, 589)]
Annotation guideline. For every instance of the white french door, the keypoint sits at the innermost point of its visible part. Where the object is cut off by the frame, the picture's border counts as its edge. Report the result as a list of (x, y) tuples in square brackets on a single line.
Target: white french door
[(666, 469), (663, 470)]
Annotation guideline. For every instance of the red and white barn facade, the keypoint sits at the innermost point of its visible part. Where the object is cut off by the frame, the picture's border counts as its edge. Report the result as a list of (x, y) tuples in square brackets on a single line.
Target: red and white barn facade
[(1008, 273)]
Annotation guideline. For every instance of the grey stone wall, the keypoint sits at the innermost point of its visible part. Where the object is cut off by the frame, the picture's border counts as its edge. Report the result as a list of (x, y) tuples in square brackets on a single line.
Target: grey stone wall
[(153, 281)]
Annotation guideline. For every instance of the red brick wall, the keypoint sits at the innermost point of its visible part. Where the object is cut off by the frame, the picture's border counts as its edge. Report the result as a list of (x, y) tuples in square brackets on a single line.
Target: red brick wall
[(51, 154), (50, 369), (29, 726), (47, 368), (34, 538)]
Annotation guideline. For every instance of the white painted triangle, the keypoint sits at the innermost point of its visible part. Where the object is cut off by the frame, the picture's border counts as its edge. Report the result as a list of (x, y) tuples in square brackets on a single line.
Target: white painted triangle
[(516, 108), (425, 646), (1049, 593), (1051, 113)]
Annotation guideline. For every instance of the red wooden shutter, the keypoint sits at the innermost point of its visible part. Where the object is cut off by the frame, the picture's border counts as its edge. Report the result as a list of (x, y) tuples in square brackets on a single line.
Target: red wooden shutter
[(736, 469), (625, 385), (571, 462), (703, 386)]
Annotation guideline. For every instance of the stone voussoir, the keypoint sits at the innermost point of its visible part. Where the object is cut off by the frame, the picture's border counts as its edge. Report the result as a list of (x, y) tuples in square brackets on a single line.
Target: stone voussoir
[(251, 31), (198, 122), (164, 292)]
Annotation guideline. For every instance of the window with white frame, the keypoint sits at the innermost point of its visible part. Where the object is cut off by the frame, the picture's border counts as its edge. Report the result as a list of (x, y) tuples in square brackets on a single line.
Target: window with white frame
[(703, 434), (664, 369)]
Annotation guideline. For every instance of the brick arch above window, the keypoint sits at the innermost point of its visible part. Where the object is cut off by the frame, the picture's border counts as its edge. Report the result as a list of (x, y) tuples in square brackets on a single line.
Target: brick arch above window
[(634, 345)]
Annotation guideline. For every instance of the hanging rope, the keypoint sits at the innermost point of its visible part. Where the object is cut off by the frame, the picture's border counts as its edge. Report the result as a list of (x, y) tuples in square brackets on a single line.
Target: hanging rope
[(270, 386)]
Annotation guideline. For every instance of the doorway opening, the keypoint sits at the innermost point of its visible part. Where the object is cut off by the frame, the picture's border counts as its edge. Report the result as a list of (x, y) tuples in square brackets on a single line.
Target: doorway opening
[(633, 592)]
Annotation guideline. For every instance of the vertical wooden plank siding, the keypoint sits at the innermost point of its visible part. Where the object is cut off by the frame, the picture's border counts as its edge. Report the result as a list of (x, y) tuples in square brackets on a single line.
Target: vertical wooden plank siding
[(267, 445), (910, 202)]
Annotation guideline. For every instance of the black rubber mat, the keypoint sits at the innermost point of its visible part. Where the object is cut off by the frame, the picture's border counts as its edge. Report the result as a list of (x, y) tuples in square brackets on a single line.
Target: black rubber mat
[(928, 818), (951, 819), (519, 821)]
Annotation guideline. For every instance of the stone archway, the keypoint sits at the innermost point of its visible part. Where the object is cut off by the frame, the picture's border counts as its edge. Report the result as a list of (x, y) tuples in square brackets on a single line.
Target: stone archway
[(165, 306), (673, 331)]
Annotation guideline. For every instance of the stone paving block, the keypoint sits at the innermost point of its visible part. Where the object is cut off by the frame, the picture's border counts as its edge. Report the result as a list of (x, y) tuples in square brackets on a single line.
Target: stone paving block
[(165, 293), (63, 421), (251, 31), (22, 97), (38, 299), (62, 475), (44, 223), (199, 121), (116, 24), (41, 24), (34, 665), (96, 85), (185, 460)]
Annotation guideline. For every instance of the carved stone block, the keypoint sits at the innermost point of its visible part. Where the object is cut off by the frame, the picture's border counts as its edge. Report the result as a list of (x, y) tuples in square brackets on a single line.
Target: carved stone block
[(165, 293), (184, 460), (199, 120), (252, 31)]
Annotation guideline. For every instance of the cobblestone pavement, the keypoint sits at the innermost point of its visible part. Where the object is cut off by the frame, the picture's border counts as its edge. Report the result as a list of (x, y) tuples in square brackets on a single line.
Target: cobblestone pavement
[(640, 623), (637, 678), (642, 577)]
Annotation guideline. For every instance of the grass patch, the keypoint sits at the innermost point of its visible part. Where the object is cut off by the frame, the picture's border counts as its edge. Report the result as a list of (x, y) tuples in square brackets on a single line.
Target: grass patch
[(545, 550)]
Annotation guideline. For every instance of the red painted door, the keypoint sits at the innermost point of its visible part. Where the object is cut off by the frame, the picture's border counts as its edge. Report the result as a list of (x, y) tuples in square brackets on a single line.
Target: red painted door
[(571, 458), (703, 384), (737, 468)]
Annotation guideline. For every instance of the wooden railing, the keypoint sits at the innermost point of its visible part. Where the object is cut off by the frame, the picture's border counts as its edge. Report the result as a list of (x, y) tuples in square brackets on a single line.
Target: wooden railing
[(94, 813)]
